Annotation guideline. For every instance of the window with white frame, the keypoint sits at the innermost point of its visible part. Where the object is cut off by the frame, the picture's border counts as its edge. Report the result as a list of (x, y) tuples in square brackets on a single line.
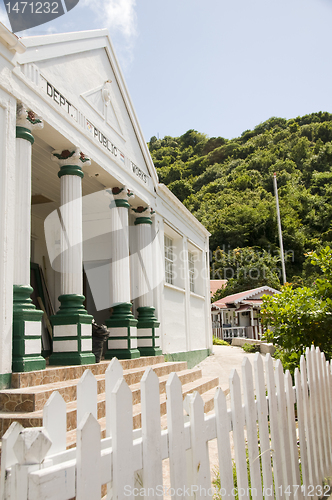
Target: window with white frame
[(169, 260), (191, 262)]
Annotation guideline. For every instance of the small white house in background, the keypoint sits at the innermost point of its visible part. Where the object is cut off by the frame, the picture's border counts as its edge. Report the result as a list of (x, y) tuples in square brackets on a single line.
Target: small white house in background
[(238, 315), (80, 200)]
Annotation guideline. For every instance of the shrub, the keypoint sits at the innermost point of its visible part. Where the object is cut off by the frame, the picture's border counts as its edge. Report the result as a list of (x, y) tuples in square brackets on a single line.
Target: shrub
[(217, 341), (250, 347)]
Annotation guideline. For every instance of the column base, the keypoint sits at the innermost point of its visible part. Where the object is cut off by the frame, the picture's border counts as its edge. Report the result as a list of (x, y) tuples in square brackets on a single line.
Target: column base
[(122, 342), (27, 344), (147, 332), (72, 333)]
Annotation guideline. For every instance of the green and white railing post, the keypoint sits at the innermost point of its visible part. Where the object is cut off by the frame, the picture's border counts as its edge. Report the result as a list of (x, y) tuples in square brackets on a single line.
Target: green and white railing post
[(26, 318), (122, 341), (148, 341), (72, 325)]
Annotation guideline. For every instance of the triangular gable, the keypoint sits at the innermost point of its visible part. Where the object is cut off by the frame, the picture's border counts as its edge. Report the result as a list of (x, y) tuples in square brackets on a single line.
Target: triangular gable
[(82, 69)]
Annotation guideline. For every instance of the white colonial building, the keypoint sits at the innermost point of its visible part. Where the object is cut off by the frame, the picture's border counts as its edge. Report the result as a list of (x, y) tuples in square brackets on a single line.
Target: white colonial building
[(86, 230)]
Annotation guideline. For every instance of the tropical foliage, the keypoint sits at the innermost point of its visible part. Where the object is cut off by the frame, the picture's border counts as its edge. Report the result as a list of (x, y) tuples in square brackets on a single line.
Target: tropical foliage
[(301, 317), (228, 185)]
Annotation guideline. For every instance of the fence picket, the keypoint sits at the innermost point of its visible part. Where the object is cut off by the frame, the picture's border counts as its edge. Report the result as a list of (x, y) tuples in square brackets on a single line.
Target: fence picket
[(224, 445), (322, 421), (114, 460), (308, 424), (238, 434), (314, 427), (176, 441), (324, 396), (262, 413), (122, 441), (8, 457), (113, 373), (88, 485), (55, 422), (273, 416), (251, 425), (151, 433), (201, 486), (283, 431), (329, 407), (86, 396), (301, 426), (295, 483)]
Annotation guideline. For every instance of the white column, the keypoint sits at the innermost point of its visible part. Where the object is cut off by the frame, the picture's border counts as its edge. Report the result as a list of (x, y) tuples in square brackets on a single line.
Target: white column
[(122, 342), (120, 270), (26, 319), (72, 330), (7, 232), (148, 338)]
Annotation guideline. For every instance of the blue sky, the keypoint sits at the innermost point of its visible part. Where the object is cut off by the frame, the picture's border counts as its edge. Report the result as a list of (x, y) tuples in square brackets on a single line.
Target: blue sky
[(216, 66)]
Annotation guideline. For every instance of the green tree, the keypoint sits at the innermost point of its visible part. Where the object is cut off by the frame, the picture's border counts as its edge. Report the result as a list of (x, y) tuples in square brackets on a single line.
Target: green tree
[(301, 317), (244, 268)]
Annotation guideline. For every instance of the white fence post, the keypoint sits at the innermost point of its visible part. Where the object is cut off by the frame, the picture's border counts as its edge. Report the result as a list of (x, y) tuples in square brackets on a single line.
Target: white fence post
[(176, 440), (122, 441), (55, 422), (113, 373), (224, 446), (238, 435), (88, 451), (201, 486), (30, 448), (262, 413), (86, 396), (8, 458), (251, 424), (151, 434)]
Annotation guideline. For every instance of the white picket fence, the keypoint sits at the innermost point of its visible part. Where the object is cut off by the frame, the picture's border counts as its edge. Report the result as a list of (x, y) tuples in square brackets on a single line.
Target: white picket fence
[(284, 449)]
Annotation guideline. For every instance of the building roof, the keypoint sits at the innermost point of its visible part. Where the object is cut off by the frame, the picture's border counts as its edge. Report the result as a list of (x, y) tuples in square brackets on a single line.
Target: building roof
[(216, 285), (249, 295)]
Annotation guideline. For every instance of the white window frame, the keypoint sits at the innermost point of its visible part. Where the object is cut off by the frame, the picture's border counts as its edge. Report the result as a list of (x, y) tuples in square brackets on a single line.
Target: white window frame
[(191, 267), (169, 259)]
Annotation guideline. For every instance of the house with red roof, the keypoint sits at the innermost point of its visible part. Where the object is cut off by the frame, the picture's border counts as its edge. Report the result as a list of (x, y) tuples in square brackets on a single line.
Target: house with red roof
[(237, 315)]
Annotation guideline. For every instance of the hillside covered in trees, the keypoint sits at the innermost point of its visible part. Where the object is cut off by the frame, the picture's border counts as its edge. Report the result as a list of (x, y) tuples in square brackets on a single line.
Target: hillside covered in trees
[(228, 185)]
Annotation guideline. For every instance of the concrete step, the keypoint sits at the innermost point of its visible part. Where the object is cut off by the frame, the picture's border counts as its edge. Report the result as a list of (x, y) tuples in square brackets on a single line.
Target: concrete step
[(30, 399), (53, 374)]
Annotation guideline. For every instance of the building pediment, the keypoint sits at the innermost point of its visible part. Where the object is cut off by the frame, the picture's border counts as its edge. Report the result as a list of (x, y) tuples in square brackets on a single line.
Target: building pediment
[(79, 77)]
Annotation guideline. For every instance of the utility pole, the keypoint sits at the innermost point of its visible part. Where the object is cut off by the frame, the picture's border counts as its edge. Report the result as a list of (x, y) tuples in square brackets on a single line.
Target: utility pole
[(279, 229)]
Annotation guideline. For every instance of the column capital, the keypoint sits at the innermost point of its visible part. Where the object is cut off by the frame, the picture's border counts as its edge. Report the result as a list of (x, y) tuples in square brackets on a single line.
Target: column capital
[(70, 161), (26, 122), (120, 196), (143, 214)]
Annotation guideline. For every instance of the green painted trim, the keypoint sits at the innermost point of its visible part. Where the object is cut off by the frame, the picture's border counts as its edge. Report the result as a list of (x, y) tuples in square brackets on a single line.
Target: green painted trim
[(150, 351), (24, 133), (122, 353), (142, 220), (192, 357), (28, 363), (119, 204), (22, 303), (72, 358), (148, 337), (71, 307), (124, 337), (5, 380), (121, 316), (71, 170)]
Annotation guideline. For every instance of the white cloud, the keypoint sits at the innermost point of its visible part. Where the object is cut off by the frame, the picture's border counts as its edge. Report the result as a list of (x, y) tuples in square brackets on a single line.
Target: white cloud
[(119, 15)]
